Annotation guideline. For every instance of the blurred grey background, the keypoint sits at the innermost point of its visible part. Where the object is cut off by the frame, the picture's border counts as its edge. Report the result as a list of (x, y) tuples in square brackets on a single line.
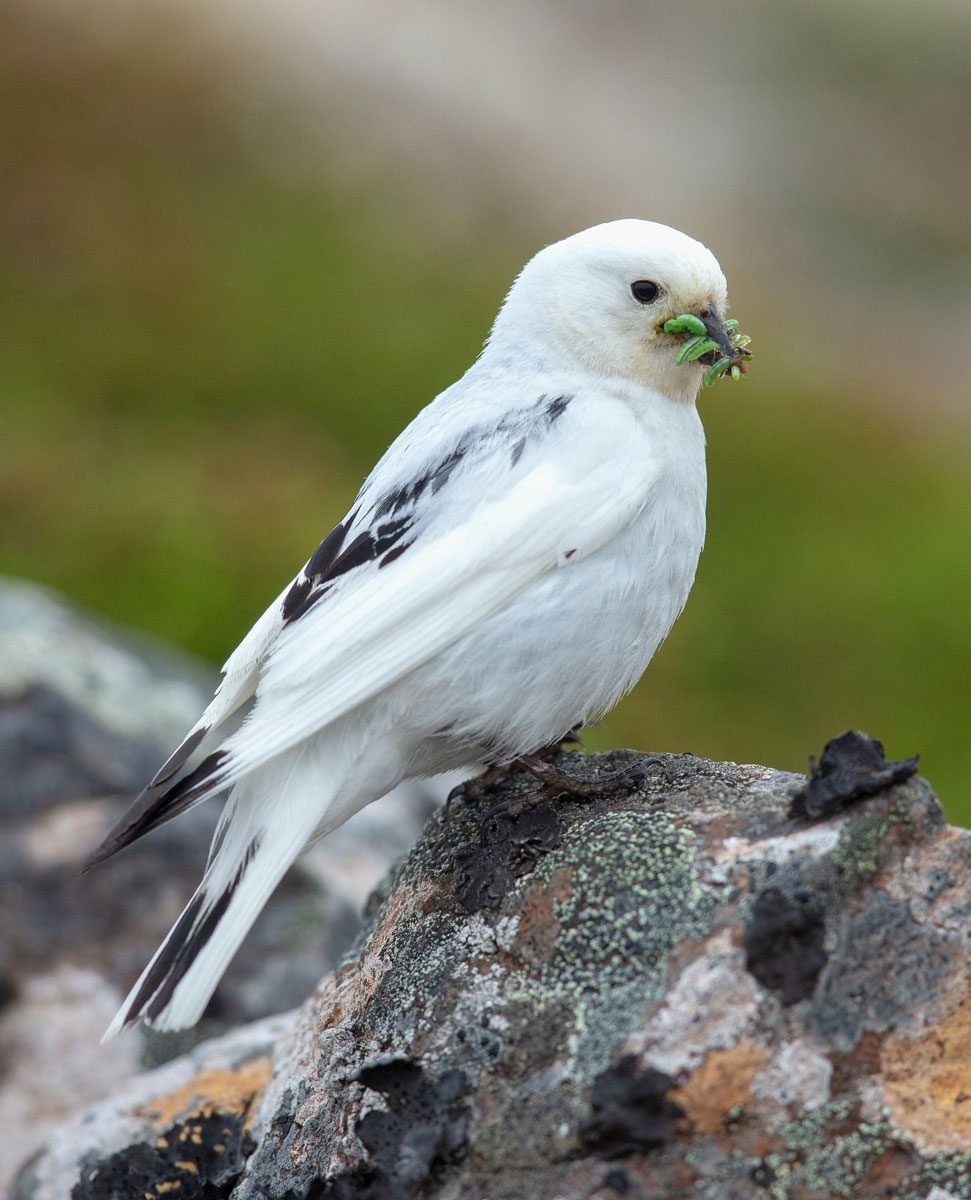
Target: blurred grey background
[(241, 244)]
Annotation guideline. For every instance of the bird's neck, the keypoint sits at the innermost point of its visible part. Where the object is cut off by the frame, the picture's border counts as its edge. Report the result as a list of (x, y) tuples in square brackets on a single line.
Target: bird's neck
[(557, 369), (520, 343)]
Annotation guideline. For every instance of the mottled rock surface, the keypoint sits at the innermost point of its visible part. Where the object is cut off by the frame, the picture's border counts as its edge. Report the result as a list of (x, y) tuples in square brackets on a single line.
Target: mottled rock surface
[(675, 990), (182, 1129), (87, 714)]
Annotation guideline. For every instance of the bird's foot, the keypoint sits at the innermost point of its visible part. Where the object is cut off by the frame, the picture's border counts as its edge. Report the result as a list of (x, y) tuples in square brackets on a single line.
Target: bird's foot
[(472, 789), (584, 783), (554, 782)]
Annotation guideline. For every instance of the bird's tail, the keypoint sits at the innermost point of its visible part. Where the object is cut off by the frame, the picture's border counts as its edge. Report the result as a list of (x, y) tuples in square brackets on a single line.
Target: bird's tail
[(269, 818)]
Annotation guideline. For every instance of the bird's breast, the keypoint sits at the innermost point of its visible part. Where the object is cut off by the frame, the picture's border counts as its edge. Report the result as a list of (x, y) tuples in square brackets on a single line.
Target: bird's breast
[(572, 644)]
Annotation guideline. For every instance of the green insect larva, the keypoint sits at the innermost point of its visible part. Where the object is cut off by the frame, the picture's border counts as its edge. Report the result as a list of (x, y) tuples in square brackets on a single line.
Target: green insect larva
[(686, 323), (694, 348), (716, 371), (698, 345)]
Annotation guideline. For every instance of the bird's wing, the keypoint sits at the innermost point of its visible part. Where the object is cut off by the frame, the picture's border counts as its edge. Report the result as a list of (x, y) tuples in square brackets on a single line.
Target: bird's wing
[(173, 788), (452, 524), (406, 600)]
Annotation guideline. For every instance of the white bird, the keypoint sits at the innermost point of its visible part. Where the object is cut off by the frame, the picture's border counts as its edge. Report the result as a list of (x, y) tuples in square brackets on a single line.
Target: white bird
[(505, 574)]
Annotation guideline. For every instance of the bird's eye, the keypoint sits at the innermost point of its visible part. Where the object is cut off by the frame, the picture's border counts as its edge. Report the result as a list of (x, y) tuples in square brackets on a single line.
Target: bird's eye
[(644, 290)]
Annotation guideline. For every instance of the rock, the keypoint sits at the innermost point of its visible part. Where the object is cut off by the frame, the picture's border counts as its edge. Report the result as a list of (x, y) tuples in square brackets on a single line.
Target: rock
[(87, 714), (851, 768), (128, 685), (183, 1128), (675, 990)]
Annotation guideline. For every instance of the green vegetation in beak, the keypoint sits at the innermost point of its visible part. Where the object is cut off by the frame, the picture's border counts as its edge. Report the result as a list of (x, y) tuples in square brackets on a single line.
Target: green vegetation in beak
[(699, 346)]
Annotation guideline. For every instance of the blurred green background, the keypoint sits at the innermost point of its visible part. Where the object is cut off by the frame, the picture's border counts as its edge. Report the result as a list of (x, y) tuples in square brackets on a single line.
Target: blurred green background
[(240, 249)]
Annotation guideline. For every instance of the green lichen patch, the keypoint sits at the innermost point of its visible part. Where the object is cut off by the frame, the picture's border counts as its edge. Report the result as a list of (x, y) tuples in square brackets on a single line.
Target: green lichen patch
[(949, 1171), (635, 894), (860, 853), (611, 903), (864, 848), (824, 1158), (826, 1155)]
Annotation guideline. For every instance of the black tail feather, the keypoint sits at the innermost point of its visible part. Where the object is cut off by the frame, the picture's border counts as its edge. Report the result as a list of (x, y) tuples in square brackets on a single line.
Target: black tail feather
[(160, 801), (180, 949), (168, 960), (177, 760)]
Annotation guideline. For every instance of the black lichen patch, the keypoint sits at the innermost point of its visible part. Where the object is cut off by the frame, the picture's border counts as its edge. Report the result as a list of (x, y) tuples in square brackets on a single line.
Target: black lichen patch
[(509, 849), (784, 944), (631, 1112), (884, 971), (851, 768), (422, 1129), (359, 1184), (197, 1159)]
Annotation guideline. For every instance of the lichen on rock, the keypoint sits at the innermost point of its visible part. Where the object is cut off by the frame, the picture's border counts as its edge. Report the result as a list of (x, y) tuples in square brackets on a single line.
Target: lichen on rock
[(677, 989)]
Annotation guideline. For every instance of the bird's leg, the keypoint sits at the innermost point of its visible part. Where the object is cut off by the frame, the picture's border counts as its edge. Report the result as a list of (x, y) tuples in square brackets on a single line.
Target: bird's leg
[(554, 780), (572, 737), (582, 784), (472, 789)]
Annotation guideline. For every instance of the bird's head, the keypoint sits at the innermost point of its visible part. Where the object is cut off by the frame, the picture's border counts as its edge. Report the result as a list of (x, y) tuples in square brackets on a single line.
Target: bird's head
[(601, 298)]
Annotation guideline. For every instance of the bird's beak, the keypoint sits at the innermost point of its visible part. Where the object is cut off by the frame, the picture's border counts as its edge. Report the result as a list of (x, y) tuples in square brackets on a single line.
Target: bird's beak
[(714, 325)]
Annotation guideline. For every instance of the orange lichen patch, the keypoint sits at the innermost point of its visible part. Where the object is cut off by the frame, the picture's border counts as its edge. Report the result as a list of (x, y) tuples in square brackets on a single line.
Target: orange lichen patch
[(721, 833), (862, 1062), (538, 927), (721, 1083), (209, 1092), (927, 1082), (402, 901)]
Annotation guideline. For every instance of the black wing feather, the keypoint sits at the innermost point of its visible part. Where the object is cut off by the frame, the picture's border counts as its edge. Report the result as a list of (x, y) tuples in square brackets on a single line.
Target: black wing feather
[(333, 558), (389, 533)]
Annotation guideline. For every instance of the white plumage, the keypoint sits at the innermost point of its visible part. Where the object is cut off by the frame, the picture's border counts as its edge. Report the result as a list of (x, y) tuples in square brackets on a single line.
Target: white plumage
[(506, 573)]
